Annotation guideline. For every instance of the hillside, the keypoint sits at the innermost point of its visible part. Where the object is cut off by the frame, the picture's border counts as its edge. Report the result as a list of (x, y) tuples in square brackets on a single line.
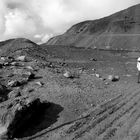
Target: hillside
[(118, 31), (20, 46)]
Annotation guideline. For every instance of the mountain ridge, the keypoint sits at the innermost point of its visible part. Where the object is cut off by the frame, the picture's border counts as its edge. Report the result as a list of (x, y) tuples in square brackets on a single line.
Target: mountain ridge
[(118, 31)]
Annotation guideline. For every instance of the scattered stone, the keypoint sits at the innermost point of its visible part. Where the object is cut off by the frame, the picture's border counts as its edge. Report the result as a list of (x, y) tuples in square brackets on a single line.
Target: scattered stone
[(81, 70), (116, 78), (24, 73), (106, 83), (24, 80), (21, 58), (15, 93), (6, 64), (39, 83), (29, 67), (110, 77), (93, 69), (97, 75), (93, 59), (15, 64), (2, 58), (13, 83), (103, 79), (67, 74), (113, 78)]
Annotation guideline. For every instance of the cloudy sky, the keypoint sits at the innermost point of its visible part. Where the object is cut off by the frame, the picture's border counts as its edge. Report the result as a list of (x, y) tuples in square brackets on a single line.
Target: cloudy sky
[(39, 20)]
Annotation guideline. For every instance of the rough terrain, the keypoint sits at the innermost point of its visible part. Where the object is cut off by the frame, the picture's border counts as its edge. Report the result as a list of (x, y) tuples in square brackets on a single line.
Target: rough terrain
[(86, 104)]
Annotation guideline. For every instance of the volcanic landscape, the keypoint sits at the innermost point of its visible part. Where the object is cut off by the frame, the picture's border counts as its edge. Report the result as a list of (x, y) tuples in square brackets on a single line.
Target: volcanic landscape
[(81, 85)]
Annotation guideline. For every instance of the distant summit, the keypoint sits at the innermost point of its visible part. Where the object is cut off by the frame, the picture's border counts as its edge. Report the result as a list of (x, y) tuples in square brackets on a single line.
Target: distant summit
[(120, 31)]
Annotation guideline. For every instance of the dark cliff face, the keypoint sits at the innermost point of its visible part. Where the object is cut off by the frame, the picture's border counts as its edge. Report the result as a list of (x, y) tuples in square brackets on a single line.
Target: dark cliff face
[(118, 31)]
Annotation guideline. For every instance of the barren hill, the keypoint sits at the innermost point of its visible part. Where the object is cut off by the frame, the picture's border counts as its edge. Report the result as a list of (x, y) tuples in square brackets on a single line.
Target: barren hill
[(21, 46), (118, 31)]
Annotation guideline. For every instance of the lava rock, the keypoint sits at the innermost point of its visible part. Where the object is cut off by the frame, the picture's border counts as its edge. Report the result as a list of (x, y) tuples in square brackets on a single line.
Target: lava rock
[(67, 74), (21, 58), (93, 59), (15, 93), (18, 114), (39, 83), (113, 78), (13, 83), (24, 73)]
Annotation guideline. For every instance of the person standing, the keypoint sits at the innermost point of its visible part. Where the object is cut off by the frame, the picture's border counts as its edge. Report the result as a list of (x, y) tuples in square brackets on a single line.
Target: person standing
[(138, 67)]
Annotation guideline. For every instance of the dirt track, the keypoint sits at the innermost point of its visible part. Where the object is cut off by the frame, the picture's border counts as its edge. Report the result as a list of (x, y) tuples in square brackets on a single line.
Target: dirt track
[(116, 119)]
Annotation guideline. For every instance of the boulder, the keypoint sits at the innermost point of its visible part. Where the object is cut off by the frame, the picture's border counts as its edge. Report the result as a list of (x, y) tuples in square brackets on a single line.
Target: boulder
[(67, 74), (2, 58), (6, 64), (29, 67), (113, 78), (39, 83), (21, 58), (17, 115), (15, 64), (13, 83), (24, 73), (110, 77), (93, 59), (14, 93), (98, 75)]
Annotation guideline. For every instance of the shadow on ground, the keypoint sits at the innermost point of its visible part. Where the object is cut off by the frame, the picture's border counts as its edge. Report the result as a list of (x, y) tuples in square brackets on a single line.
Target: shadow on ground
[(42, 119)]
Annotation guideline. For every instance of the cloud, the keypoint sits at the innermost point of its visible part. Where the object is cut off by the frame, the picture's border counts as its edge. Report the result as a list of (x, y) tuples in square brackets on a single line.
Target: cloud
[(39, 20)]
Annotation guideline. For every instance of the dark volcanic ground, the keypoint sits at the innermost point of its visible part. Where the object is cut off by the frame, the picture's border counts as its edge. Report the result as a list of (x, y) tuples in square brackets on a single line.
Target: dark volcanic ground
[(93, 108), (86, 106)]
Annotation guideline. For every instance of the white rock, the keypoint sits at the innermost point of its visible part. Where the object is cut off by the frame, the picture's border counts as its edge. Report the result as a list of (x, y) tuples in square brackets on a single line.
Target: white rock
[(21, 58), (2, 58), (29, 67), (110, 77), (97, 75), (12, 83), (39, 83), (67, 74)]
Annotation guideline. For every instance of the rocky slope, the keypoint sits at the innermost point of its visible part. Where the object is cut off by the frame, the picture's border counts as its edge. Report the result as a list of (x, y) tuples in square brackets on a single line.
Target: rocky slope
[(118, 31), (22, 46)]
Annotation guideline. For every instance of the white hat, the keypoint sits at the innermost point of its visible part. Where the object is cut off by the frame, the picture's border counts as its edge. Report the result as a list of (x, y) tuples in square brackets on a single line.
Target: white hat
[(138, 59)]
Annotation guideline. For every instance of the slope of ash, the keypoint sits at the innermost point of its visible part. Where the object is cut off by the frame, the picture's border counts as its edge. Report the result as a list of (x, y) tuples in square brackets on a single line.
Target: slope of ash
[(118, 31)]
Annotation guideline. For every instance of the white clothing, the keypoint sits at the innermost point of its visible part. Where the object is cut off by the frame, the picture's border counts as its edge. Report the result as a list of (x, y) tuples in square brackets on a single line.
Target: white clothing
[(138, 66)]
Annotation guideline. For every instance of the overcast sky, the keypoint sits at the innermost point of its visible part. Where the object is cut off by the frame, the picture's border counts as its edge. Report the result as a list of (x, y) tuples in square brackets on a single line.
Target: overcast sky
[(40, 19)]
